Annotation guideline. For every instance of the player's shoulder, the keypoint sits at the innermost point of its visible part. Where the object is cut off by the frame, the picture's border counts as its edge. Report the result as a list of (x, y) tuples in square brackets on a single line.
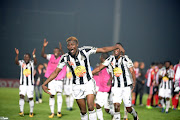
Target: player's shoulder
[(64, 55), (126, 58), (111, 57), (87, 48)]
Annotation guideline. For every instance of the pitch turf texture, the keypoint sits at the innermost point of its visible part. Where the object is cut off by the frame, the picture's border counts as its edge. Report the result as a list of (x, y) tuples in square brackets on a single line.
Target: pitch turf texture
[(9, 107)]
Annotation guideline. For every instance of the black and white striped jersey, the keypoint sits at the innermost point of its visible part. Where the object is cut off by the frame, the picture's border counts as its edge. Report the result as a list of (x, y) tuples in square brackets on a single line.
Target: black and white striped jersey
[(121, 74), (27, 73), (79, 65), (68, 79), (166, 82)]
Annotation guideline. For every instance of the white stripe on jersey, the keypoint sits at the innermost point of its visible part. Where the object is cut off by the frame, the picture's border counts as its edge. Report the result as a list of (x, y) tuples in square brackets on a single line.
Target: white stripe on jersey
[(82, 59), (26, 80), (124, 63)]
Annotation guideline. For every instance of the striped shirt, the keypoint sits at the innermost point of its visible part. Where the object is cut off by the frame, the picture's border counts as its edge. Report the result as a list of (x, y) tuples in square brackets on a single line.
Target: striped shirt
[(79, 65), (27, 73), (166, 82), (68, 79), (121, 74), (150, 77)]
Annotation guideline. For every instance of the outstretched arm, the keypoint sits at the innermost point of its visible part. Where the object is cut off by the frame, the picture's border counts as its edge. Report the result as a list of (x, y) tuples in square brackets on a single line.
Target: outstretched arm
[(17, 55), (49, 79), (60, 48), (34, 56), (110, 48), (43, 49), (98, 69), (133, 77)]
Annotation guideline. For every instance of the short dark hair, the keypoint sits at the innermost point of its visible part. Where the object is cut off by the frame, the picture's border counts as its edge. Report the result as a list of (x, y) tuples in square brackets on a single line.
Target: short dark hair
[(119, 44), (56, 48), (168, 62), (105, 55), (28, 55), (153, 63)]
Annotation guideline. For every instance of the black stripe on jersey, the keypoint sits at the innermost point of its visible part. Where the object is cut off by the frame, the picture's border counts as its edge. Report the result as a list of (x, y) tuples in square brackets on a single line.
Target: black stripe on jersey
[(113, 72), (168, 84), (78, 64), (87, 50), (86, 65), (74, 76), (118, 78), (164, 85), (124, 74), (22, 82), (31, 76)]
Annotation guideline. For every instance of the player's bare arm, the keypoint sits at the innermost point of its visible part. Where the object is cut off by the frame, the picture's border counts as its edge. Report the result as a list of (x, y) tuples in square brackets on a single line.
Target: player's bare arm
[(60, 48), (110, 48), (133, 77), (43, 49), (110, 80), (17, 56), (34, 56), (98, 69), (49, 79)]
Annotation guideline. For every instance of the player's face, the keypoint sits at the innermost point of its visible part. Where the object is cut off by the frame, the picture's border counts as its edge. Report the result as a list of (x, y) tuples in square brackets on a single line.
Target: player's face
[(56, 52), (136, 64), (26, 58), (72, 46), (117, 52), (142, 65), (102, 59), (167, 65)]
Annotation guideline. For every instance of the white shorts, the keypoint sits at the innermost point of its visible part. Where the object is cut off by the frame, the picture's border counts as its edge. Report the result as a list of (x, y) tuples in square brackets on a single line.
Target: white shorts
[(102, 99), (29, 90), (67, 89), (165, 93), (55, 86), (120, 94), (81, 91)]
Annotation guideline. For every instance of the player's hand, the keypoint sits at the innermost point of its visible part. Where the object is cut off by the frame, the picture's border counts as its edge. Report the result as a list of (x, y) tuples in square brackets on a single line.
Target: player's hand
[(17, 51), (33, 53), (121, 48), (45, 42), (46, 89), (60, 46)]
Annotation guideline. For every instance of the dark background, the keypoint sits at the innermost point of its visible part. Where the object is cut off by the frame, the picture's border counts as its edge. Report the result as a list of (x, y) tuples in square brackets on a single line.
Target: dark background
[(149, 29)]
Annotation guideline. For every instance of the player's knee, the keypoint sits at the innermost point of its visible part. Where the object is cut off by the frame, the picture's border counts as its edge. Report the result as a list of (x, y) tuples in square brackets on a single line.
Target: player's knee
[(51, 96), (129, 109), (107, 110), (22, 96), (117, 107), (83, 112), (30, 99), (98, 106), (167, 99)]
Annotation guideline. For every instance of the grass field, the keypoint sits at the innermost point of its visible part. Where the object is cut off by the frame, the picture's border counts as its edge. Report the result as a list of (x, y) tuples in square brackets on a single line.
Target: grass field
[(9, 107)]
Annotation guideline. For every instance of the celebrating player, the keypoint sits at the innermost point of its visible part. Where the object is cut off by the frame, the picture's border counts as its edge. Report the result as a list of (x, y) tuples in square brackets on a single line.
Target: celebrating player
[(83, 83), (122, 82), (56, 85), (26, 80), (166, 74)]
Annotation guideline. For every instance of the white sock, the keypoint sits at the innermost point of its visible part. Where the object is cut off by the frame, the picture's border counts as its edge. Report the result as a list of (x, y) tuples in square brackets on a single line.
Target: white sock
[(21, 105), (92, 115), (59, 101), (125, 113), (67, 101), (51, 104), (167, 105), (134, 112), (84, 117), (31, 105), (111, 111), (117, 116), (99, 114), (162, 103), (71, 101)]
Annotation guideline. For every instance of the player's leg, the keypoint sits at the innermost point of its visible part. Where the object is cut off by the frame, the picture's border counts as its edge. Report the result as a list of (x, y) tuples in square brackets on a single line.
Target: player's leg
[(141, 92), (59, 88), (161, 98), (148, 105), (71, 101), (90, 103), (100, 98), (36, 94), (82, 106), (40, 94), (167, 104), (30, 95), (22, 93), (125, 114)]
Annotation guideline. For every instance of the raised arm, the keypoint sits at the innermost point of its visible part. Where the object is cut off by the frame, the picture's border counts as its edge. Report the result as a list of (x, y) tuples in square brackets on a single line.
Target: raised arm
[(98, 69), (60, 48), (110, 48), (49, 79), (17, 57), (34, 56), (43, 49), (133, 77)]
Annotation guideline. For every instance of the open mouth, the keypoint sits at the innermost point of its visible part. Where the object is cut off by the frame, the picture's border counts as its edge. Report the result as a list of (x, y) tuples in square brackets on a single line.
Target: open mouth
[(72, 50)]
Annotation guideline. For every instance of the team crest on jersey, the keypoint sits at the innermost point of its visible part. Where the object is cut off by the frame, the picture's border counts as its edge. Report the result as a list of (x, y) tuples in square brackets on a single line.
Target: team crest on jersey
[(165, 78), (117, 71), (26, 72), (80, 71)]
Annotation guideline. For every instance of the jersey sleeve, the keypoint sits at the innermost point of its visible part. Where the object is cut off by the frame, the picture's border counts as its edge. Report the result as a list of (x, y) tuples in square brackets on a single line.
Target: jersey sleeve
[(62, 62), (48, 57), (90, 50), (107, 62), (20, 62), (129, 61), (171, 74)]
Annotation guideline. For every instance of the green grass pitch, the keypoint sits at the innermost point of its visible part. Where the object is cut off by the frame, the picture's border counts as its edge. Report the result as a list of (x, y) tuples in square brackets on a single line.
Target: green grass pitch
[(9, 107)]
